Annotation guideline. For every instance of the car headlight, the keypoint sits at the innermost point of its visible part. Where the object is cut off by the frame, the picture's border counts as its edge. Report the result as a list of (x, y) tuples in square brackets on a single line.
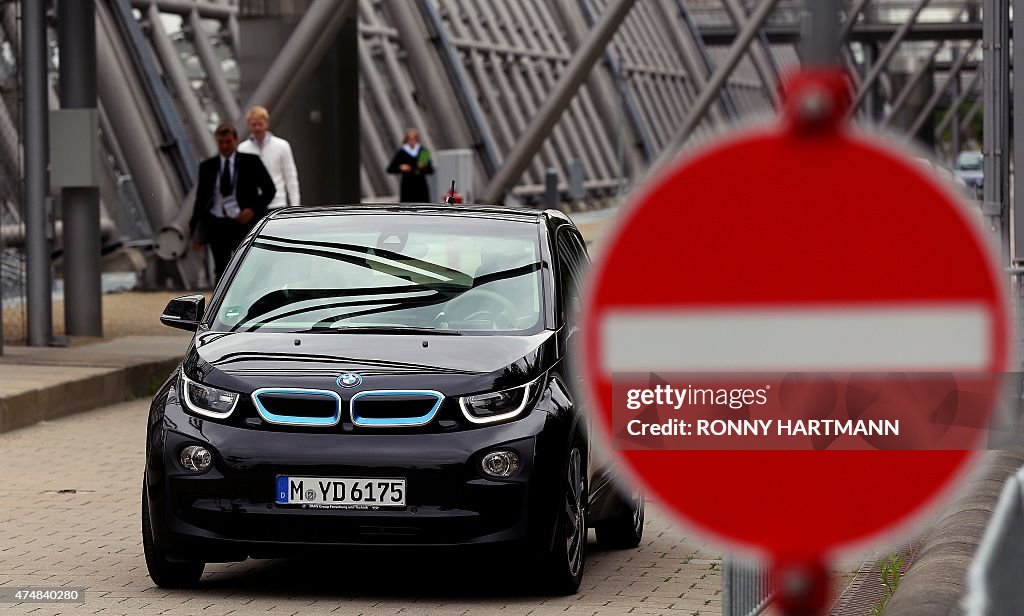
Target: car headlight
[(207, 401), (501, 405)]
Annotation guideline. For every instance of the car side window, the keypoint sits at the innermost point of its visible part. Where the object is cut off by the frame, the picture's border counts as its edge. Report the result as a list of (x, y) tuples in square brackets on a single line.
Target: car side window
[(572, 265)]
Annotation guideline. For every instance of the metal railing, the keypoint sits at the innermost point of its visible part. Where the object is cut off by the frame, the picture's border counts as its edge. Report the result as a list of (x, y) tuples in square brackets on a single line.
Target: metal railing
[(747, 588), (993, 579)]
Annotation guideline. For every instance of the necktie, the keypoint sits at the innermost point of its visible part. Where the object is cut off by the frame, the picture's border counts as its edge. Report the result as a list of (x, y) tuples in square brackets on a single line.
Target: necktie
[(225, 178)]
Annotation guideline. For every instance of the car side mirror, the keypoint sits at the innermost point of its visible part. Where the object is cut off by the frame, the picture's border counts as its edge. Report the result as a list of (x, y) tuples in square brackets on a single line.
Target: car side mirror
[(184, 312)]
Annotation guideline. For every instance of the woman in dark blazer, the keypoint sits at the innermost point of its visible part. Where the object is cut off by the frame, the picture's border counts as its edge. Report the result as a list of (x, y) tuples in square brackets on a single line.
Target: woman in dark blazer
[(413, 162)]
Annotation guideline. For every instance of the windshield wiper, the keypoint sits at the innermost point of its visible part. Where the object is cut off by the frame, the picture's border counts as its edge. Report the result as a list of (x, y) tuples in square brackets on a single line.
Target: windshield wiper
[(382, 329)]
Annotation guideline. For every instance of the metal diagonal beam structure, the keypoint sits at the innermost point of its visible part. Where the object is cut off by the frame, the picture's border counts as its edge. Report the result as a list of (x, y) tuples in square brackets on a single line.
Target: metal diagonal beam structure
[(715, 83), (760, 54), (687, 53), (933, 100), (843, 39), (617, 153), (912, 83), (620, 93), (515, 81), (695, 74), (885, 55), (915, 79), (403, 89), (131, 120), (177, 143), (606, 90), (699, 76), (11, 30), (378, 91), (961, 98), (206, 9), (233, 32), (175, 73), (418, 55), (8, 127), (495, 80), (851, 20), (231, 26), (481, 132), (972, 112), (11, 148), (546, 117), (226, 103), (633, 63), (539, 79), (300, 54), (847, 58)]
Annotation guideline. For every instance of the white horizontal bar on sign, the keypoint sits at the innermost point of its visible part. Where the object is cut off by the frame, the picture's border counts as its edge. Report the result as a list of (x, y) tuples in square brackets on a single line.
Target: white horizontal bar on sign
[(910, 337)]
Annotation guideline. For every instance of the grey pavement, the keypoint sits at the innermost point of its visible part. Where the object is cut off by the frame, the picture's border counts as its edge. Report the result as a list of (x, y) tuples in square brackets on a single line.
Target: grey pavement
[(71, 518)]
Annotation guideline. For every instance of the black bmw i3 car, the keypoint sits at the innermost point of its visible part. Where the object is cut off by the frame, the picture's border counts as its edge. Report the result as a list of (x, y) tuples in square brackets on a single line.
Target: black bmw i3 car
[(383, 376)]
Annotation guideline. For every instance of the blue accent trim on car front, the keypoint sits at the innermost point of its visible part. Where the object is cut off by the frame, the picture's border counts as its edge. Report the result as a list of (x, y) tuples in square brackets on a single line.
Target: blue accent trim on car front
[(298, 420), (395, 422)]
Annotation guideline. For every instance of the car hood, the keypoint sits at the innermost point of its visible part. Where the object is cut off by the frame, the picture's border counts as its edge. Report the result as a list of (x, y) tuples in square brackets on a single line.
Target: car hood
[(457, 363)]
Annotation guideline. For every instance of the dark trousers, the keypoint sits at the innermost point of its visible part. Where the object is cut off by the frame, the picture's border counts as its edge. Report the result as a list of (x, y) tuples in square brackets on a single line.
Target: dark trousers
[(223, 235)]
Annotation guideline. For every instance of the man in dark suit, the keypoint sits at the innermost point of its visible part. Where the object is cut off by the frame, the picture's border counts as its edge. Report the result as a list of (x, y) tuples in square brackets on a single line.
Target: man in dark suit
[(232, 195)]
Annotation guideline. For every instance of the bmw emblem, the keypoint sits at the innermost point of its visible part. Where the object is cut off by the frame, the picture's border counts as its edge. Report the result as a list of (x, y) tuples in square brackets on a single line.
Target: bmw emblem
[(349, 379)]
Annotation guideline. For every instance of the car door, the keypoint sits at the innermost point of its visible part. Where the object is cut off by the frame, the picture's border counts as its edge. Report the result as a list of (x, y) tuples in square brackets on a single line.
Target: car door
[(573, 265)]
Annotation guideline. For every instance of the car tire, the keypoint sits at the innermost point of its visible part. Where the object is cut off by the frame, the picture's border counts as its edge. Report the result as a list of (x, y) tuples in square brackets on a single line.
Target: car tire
[(164, 572), (561, 570), (627, 530)]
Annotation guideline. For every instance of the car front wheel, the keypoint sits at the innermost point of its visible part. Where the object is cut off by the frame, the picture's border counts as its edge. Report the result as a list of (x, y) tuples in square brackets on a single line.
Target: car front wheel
[(165, 573), (562, 570)]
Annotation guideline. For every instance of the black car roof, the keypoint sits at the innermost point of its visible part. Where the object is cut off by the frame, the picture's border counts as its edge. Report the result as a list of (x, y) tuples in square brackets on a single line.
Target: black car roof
[(478, 211)]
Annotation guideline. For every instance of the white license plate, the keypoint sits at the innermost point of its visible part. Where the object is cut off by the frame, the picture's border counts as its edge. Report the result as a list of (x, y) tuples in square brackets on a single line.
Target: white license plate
[(340, 491)]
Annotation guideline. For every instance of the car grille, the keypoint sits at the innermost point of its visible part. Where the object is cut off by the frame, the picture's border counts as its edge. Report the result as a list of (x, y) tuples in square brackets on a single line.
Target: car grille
[(298, 407), (394, 408)]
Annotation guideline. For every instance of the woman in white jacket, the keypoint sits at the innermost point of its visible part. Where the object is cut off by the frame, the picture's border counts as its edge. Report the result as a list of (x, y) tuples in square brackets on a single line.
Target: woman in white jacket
[(276, 155)]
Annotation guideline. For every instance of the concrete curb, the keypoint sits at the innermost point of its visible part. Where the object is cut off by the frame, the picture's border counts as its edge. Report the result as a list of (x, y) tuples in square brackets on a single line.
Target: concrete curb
[(936, 581), (44, 383), (105, 387)]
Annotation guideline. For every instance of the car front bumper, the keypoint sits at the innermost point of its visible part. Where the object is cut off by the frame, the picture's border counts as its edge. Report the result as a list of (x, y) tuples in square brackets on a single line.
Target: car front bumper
[(229, 512)]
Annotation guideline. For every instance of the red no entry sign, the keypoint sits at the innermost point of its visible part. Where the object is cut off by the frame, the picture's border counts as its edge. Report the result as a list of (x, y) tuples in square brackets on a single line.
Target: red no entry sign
[(820, 251)]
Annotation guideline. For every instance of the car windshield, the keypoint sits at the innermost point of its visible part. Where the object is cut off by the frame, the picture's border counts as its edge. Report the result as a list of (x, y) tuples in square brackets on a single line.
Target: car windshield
[(969, 161), (387, 272)]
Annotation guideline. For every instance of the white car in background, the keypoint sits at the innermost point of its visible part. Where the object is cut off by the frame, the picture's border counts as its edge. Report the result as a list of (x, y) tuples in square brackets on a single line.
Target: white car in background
[(949, 176), (969, 167)]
